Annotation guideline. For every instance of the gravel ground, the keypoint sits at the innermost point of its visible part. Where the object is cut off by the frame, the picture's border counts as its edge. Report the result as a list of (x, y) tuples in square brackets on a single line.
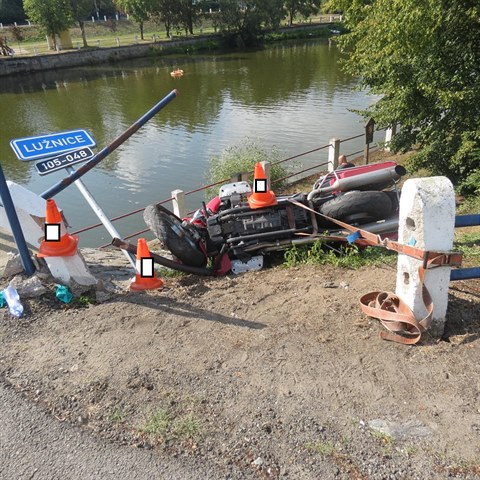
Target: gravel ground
[(272, 374)]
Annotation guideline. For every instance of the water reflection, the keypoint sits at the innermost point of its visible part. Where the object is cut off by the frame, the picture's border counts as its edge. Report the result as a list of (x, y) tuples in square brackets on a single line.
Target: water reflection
[(292, 95)]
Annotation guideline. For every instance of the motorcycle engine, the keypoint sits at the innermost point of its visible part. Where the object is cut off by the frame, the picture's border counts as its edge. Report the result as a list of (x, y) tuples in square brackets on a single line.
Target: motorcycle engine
[(236, 219)]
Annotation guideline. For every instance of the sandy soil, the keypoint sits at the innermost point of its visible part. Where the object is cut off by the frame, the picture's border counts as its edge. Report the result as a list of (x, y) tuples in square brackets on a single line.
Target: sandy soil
[(273, 374)]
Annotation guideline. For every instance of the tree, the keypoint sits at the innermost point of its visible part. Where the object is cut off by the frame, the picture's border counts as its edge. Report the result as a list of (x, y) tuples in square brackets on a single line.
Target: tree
[(167, 12), (299, 7), (54, 16), (11, 11), (187, 14), (423, 57), (140, 10), (242, 21), (80, 9)]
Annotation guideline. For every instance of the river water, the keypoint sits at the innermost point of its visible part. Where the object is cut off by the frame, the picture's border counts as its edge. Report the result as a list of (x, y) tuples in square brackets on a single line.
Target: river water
[(293, 96)]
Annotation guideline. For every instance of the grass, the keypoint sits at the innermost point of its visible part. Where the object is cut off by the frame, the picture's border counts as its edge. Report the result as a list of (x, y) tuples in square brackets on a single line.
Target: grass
[(349, 256), (163, 424), (83, 301), (469, 205), (321, 448), (241, 158), (101, 34), (157, 423), (468, 242), (382, 437), (117, 415)]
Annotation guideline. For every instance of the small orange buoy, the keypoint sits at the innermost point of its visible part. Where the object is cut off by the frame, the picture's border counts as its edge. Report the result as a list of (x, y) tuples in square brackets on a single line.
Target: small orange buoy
[(177, 73)]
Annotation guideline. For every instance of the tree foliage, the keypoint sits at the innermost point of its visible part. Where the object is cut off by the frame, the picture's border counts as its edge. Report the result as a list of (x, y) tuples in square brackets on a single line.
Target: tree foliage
[(423, 57), (303, 8), (11, 11), (243, 21), (54, 16), (140, 10), (80, 10)]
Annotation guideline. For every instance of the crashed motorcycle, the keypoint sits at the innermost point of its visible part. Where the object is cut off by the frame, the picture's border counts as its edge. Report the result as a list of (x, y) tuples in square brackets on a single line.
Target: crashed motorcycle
[(233, 232)]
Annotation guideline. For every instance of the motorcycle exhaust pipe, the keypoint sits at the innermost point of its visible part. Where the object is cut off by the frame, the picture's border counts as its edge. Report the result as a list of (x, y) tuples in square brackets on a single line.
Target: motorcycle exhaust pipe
[(371, 178)]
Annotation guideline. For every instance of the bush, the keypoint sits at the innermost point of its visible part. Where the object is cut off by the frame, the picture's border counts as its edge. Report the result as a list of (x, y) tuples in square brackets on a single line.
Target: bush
[(242, 158)]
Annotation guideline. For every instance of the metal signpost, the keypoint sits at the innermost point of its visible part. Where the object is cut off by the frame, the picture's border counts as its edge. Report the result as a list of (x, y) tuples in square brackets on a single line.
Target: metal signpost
[(63, 150), (17, 232)]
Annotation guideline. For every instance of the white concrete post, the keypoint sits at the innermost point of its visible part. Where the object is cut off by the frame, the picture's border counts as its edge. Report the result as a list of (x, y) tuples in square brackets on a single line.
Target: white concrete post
[(333, 153), (98, 43), (93, 19), (118, 41), (116, 16), (427, 221), (179, 208), (390, 132), (266, 169), (104, 18), (1, 25)]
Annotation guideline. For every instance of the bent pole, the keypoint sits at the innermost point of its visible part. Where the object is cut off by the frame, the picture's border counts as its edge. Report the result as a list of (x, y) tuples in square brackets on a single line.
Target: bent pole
[(17, 231), (63, 184)]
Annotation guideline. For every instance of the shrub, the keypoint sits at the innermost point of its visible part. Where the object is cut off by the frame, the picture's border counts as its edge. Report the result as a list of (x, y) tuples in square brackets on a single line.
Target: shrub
[(242, 158)]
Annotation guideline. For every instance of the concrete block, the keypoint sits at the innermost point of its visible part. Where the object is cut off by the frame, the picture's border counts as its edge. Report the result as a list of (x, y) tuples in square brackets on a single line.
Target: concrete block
[(426, 221), (72, 272), (30, 209)]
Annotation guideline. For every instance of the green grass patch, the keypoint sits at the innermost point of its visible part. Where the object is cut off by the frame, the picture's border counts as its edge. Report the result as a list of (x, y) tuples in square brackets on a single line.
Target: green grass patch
[(117, 415), (167, 425), (345, 256), (321, 448), (382, 437), (157, 423), (470, 205), (83, 301), (241, 158), (187, 427)]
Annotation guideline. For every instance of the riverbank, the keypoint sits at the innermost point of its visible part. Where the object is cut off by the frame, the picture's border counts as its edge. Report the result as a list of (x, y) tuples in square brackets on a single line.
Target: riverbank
[(94, 56)]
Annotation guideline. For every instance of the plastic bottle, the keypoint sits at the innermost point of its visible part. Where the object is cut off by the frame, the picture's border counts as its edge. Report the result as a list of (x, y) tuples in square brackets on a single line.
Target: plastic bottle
[(13, 301)]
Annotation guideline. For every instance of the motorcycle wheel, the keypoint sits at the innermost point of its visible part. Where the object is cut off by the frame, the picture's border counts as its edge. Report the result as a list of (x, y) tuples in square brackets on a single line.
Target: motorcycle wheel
[(359, 207), (173, 236)]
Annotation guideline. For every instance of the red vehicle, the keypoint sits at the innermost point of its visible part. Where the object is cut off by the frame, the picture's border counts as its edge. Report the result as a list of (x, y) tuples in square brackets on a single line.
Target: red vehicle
[(236, 236)]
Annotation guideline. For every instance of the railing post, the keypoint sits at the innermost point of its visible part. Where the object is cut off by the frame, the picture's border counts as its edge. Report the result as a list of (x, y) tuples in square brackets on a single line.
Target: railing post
[(178, 202), (426, 221), (333, 153), (266, 169), (390, 132)]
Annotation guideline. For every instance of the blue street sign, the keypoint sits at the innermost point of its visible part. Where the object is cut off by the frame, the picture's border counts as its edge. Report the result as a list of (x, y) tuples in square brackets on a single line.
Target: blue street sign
[(31, 148)]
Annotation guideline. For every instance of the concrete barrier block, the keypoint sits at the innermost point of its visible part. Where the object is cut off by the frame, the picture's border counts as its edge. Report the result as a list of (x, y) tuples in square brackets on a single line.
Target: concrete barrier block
[(72, 272), (426, 221), (30, 209)]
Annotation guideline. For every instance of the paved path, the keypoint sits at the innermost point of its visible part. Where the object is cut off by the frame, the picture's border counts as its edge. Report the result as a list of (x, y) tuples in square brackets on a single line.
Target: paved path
[(35, 446)]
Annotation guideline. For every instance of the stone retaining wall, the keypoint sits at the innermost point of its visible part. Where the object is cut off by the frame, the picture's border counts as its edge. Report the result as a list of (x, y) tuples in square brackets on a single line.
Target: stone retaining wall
[(22, 65)]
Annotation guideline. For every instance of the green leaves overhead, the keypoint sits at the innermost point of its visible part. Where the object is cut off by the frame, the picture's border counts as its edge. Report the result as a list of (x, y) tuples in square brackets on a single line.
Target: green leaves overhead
[(55, 16), (423, 56)]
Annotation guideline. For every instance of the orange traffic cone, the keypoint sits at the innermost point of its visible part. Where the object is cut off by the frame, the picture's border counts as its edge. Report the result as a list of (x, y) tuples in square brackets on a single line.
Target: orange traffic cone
[(145, 278), (57, 242), (261, 196)]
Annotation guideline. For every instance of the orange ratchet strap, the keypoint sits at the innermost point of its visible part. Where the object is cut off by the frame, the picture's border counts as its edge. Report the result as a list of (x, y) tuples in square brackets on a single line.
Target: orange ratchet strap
[(394, 314)]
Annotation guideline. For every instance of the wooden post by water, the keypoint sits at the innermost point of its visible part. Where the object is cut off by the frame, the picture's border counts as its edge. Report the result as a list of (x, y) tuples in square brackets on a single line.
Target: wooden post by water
[(179, 208), (369, 129), (333, 154)]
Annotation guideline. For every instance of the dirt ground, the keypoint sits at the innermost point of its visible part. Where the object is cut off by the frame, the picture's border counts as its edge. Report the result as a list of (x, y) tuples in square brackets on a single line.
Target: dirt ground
[(272, 374)]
